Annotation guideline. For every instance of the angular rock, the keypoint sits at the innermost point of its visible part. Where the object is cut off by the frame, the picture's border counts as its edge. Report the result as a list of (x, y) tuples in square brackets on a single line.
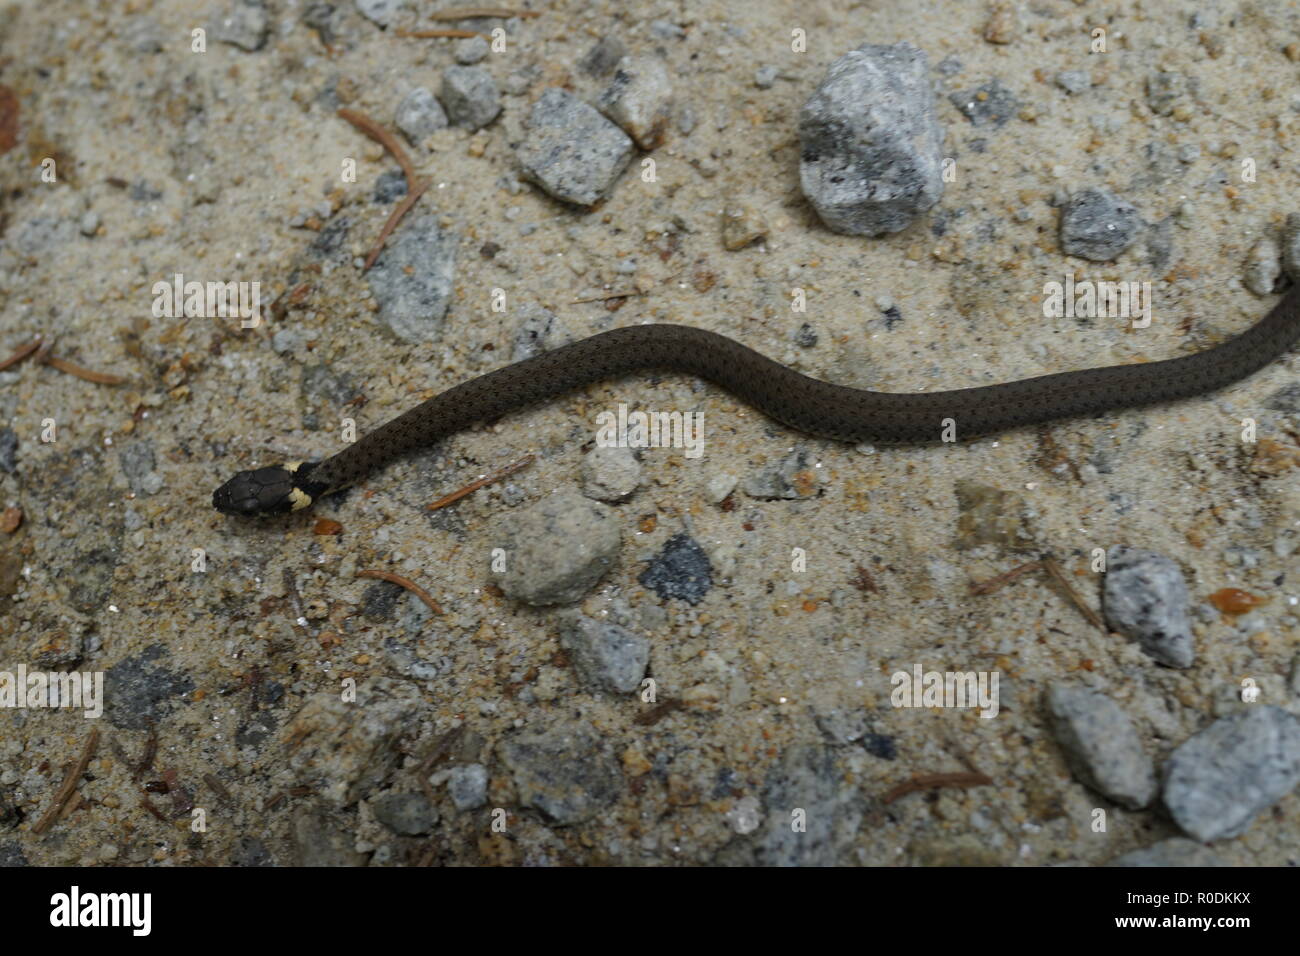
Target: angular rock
[(467, 786), (1221, 779), (566, 772), (1096, 225), (1101, 745), (681, 571), (872, 144), (470, 96), (808, 781), (318, 840), (607, 656), (603, 56), (243, 25), (381, 12), (990, 104), (610, 473), (639, 99), (557, 549), (1145, 597), (1263, 267), (571, 151), (419, 115), (412, 279)]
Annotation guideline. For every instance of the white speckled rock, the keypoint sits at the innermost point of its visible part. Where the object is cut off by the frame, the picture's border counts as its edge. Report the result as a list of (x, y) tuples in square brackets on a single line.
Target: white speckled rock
[(872, 144), (1145, 597)]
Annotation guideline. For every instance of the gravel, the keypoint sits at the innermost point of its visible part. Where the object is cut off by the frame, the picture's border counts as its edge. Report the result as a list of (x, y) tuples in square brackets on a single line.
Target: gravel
[(608, 657), (681, 571), (413, 278), (1096, 225), (555, 551), (639, 99), (1145, 597), (409, 814), (565, 771), (571, 151), (1101, 745), (610, 474), (470, 96), (1221, 779), (1176, 851), (467, 786), (872, 144), (419, 115)]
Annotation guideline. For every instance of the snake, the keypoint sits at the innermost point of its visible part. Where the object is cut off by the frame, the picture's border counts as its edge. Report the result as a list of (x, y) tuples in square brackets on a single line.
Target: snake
[(805, 404)]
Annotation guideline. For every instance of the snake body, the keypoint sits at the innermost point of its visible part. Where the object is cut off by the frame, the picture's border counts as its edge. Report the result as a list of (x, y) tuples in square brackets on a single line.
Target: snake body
[(805, 404)]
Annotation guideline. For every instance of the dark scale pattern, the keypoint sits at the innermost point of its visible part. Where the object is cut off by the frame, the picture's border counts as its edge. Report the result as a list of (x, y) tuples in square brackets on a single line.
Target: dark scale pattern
[(806, 404)]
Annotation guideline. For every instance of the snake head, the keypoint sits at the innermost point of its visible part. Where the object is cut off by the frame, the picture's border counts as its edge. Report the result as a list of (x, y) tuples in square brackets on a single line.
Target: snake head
[(277, 489)]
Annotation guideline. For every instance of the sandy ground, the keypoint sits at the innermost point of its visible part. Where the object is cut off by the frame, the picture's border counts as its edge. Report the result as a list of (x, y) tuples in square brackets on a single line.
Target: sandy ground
[(199, 164)]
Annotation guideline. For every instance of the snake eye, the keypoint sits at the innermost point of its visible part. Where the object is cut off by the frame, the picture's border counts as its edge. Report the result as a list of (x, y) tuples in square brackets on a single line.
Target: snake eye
[(264, 491)]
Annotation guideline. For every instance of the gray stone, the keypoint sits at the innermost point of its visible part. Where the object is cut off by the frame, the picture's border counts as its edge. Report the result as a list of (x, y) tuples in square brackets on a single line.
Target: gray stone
[(566, 772), (1101, 746), (1098, 226), (471, 50), (990, 104), (1145, 597), (1176, 851), (788, 479), (467, 786), (1221, 779), (409, 814), (382, 12), (470, 96), (138, 463), (608, 657), (1073, 81), (639, 99), (571, 151), (412, 279), (518, 82), (808, 784), (243, 25), (603, 56), (557, 549), (610, 474), (139, 690), (872, 145), (419, 115)]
